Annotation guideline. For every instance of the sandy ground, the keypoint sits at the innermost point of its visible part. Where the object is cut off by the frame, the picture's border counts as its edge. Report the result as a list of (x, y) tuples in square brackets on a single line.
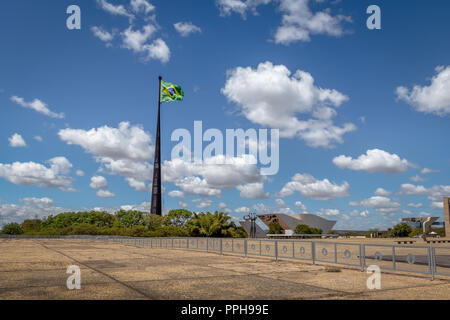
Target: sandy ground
[(36, 269)]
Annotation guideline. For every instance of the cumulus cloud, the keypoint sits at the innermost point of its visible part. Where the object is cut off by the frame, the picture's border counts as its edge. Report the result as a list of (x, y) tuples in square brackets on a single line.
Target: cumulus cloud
[(437, 205), (435, 193), (253, 191), (137, 41), (16, 141), (301, 206), (98, 182), (102, 34), (38, 106), (299, 22), (117, 10), (124, 142), (284, 97), (38, 138), (203, 203), (311, 188), (242, 210), (176, 194), (427, 170), (328, 212), (31, 173), (105, 194), (209, 177), (79, 173), (374, 160), (417, 178), (433, 99), (30, 208), (241, 7), (382, 205), (415, 205), (125, 150), (186, 28), (141, 6), (382, 192)]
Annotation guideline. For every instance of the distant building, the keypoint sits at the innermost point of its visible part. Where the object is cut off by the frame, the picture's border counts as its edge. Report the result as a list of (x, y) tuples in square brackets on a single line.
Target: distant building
[(417, 223), (289, 222), (260, 233)]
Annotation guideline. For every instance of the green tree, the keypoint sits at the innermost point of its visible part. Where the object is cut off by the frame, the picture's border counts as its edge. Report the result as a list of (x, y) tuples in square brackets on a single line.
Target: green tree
[(209, 224), (415, 232), (31, 226), (305, 229), (12, 229), (178, 217), (130, 218), (400, 230), (275, 228), (153, 221)]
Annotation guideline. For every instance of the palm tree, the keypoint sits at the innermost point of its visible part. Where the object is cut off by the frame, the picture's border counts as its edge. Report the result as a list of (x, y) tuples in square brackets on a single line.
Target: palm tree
[(209, 224)]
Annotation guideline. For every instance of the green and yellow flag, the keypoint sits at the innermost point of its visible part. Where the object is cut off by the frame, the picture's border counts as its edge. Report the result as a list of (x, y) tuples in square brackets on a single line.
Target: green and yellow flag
[(171, 92)]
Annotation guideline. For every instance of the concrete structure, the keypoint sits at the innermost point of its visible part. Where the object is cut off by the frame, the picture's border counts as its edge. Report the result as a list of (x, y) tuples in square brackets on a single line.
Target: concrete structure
[(447, 216), (289, 222)]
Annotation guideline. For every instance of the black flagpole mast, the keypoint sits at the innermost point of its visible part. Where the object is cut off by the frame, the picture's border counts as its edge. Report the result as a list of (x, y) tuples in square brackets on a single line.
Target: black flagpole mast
[(156, 207)]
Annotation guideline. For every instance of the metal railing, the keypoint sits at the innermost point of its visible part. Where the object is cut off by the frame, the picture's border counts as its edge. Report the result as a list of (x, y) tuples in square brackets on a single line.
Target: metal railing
[(427, 260)]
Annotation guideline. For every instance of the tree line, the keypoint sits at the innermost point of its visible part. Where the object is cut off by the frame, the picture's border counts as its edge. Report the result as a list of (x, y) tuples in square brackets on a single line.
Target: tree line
[(177, 223)]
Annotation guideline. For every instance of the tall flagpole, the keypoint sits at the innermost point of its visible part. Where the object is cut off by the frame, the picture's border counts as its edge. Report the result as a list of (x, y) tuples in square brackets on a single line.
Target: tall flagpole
[(156, 207)]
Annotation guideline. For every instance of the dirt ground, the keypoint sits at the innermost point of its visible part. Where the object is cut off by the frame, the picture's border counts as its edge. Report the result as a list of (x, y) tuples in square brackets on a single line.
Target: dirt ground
[(36, 269)]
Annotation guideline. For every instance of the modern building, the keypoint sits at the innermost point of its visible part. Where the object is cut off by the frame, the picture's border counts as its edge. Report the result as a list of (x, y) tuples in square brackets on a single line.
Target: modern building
[(289, 222), (417, 223)]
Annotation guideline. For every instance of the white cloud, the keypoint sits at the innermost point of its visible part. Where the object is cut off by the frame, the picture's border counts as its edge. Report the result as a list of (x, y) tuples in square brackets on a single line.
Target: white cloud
[(426, 171), (38, 106), (105, 194), (186, 28), (382, 205), (434, 99), (224, 208), (176, 194), (284, 96), (382, 192), (98, 182), (124, 142), (299, 22), (125, 150), (31, 173), (38, 138), (102, 34), (209, 177), (253, 191), (301, 206), (415, 205), (328, 212), (239, 6), (242, 210), (30, 209), (141, 6), (410, 189), (203, 203), (80, 173), (117, 10), (417, 178), (311, 188), (16, 141), (437, 205), (374, 160), (137, 41)]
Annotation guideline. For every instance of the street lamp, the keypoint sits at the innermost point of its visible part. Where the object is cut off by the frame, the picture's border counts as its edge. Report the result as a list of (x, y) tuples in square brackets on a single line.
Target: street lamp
[(252, 218)]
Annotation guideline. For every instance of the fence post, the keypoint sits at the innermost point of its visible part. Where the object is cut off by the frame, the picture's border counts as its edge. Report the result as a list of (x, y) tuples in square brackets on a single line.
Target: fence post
[(187, 243), (245, 247), (313, 252), (207, 244), (276, 250), (393, 258), (221, 248), (362, 256), (335, 253), (432, 254)]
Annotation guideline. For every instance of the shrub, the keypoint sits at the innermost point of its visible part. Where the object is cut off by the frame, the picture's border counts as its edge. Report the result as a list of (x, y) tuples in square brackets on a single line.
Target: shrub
[(12, 229), (400, 230), (83, 229), (31, 226), (275, 228), (305, 229)]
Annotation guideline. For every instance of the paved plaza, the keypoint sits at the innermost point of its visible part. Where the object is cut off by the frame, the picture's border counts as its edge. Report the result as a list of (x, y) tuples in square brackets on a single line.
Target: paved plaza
[(36, 269)]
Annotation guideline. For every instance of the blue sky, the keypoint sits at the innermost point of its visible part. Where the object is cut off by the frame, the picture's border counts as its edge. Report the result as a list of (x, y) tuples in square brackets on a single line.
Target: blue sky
[(357, 109)]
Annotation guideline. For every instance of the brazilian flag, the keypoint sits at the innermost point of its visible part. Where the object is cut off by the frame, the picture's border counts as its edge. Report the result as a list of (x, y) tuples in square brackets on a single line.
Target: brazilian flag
[(171, 92)]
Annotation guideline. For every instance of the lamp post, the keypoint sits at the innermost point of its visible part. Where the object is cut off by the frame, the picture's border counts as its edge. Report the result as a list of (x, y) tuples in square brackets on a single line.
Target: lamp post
[(252, 218)]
